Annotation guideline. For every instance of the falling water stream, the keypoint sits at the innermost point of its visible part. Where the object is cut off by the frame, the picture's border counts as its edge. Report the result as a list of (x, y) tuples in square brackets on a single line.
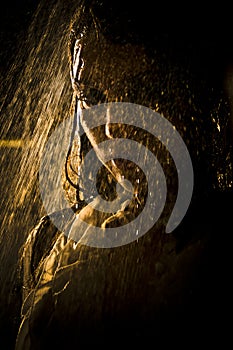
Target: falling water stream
[(34, 101), (38, 97)]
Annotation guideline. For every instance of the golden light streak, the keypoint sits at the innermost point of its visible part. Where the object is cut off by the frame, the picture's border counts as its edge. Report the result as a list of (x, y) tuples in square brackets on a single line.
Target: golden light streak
[(12, 143)]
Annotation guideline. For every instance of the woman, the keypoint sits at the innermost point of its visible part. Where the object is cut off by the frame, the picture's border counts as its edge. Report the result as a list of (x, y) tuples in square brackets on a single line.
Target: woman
[(77, 294)]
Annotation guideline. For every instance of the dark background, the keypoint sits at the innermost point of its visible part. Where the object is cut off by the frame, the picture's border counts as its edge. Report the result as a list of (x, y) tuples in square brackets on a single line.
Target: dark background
[(197, 33), (201, 37), (15, 18), (194, 35)]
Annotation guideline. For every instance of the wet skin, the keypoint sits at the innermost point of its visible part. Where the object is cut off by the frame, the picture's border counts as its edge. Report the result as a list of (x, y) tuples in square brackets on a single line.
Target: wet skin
[(143, 286)]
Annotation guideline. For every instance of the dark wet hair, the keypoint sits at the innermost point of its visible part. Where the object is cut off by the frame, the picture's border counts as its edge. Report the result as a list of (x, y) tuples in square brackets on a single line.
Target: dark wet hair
[(168, 37)]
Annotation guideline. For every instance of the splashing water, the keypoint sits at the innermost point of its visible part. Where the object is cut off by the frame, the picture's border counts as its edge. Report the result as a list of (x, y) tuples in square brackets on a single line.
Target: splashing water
[(37, 98)]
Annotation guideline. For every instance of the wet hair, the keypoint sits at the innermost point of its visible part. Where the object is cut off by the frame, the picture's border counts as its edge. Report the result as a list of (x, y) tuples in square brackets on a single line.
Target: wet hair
[(196, 107)]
